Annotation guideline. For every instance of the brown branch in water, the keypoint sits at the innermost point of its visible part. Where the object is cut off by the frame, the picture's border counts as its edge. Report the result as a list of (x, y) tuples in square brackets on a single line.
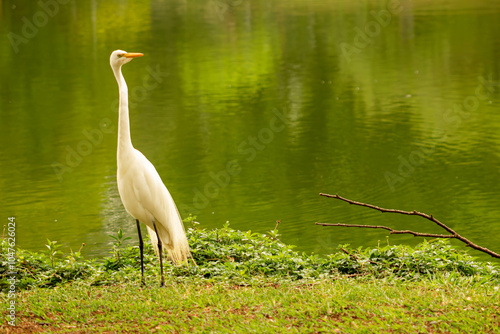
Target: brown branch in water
[(453, 234)]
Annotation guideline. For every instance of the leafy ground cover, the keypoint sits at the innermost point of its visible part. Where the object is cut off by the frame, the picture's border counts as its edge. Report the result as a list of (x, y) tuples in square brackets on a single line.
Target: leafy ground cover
[(251, 282)]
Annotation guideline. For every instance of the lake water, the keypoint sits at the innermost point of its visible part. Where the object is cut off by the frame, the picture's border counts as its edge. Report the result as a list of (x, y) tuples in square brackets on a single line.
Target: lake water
[(250, 109)]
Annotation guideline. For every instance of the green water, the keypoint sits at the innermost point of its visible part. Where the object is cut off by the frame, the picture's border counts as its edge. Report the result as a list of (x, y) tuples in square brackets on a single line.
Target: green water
[(249, 109)]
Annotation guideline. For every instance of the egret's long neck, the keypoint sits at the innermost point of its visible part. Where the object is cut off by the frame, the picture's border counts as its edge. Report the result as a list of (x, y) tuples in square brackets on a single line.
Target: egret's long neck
[(124, 140)]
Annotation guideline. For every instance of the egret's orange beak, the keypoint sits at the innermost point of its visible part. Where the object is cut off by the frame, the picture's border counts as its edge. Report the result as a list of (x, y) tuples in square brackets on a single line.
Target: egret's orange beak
[(133, 55)]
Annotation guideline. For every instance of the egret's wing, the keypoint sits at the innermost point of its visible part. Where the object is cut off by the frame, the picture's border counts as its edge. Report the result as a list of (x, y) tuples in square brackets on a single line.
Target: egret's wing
[(157, 201)]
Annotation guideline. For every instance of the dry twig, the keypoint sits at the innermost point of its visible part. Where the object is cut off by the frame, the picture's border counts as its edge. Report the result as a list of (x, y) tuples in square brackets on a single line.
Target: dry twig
[(452, 234)]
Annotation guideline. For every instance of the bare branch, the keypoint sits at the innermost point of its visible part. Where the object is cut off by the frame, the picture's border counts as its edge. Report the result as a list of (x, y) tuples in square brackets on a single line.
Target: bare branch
[(453, 234), (393, 231)]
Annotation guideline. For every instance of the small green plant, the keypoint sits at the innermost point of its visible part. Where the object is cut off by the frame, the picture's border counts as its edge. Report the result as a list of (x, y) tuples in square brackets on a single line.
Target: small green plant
[(273, 234), (53, 250), (191, 220), (119, 239), (73, 258)]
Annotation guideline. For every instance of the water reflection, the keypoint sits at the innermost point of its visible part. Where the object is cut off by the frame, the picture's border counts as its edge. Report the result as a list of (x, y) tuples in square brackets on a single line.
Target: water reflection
[(380, 126)]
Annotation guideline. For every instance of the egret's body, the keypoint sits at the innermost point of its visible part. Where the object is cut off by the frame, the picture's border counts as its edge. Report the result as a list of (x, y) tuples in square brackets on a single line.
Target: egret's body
[(141, 189)]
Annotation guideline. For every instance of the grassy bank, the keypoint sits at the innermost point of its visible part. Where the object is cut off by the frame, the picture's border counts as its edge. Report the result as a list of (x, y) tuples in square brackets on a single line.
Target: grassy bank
[(246, 282), (342, 305)]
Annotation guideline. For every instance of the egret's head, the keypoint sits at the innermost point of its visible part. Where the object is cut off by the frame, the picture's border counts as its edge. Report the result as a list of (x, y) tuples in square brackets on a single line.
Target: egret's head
[(120, 57)]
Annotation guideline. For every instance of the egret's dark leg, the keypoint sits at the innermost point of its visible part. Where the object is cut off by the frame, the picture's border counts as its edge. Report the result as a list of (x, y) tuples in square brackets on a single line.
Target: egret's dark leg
[(141, 248), (160, 249)]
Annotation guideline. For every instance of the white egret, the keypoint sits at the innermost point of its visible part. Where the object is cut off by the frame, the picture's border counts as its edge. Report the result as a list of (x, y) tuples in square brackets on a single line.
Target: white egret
[(141, 189)]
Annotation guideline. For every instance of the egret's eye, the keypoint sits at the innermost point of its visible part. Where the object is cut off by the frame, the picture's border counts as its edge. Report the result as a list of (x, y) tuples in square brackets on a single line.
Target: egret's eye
[(121, 55)]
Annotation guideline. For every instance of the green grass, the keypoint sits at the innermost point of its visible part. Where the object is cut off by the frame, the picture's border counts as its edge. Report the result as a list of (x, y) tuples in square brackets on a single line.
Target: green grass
[(344, 305), (247, 282)]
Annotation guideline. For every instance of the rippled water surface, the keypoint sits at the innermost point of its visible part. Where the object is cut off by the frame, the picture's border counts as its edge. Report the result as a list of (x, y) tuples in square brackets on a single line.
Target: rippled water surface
[(249, 109)]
